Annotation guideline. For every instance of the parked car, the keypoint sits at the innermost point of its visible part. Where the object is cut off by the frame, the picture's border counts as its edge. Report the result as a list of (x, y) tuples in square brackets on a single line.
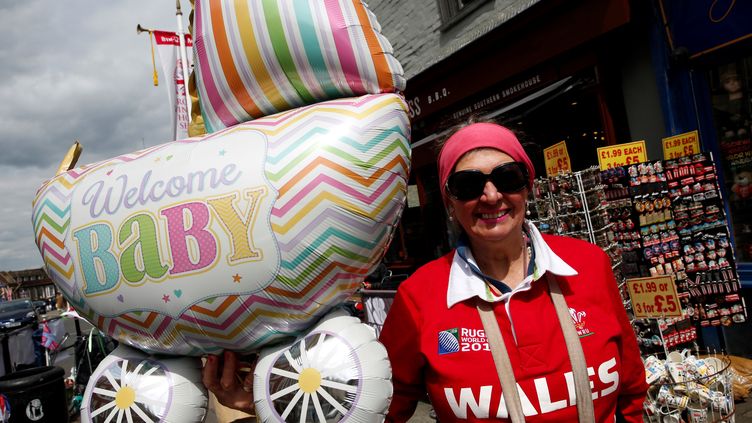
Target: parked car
[(16, 313), (40, 307)]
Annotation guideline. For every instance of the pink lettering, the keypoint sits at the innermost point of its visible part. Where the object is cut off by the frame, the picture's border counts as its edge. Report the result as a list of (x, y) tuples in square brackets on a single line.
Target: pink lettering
[(192, 246)]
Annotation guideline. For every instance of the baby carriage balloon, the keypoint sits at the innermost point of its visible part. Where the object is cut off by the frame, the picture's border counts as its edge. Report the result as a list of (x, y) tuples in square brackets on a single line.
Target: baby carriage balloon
[(244, 239)]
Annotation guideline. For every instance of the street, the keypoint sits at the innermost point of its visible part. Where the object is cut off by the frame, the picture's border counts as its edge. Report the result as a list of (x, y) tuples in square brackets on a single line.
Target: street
[(66, 357)]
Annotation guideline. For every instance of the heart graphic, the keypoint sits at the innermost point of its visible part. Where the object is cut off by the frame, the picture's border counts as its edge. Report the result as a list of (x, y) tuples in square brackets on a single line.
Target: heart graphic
[(169, 157), (120, 298), (109, 173), (178, 292)]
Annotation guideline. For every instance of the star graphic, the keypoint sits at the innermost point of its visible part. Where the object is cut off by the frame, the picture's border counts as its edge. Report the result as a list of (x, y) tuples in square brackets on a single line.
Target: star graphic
[(222, 152), (157, 159), (166, 298), (237, 278)]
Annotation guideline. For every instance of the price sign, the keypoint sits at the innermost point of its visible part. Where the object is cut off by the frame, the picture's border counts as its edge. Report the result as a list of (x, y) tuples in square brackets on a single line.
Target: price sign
[(622, 154), (557, 159), (654, 297), (681, 145)]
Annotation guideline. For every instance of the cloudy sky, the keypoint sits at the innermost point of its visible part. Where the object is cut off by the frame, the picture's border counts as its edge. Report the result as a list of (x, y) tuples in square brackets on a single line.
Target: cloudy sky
[(72, 70)]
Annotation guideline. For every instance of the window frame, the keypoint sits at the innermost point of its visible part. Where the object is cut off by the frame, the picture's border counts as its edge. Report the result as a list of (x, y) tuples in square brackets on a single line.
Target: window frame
[(451, 12)]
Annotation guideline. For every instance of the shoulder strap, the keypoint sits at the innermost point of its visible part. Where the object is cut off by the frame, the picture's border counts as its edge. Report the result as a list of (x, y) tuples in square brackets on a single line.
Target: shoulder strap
[(501, 360), (585, 409)]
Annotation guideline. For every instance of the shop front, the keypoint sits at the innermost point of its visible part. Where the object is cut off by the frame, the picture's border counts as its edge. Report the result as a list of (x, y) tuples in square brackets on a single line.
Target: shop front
[(709, 78), (568, 92)]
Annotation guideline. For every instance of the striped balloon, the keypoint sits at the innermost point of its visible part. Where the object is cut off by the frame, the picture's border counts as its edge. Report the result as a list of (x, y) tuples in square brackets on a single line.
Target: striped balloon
[(259, 57), (333, 176)]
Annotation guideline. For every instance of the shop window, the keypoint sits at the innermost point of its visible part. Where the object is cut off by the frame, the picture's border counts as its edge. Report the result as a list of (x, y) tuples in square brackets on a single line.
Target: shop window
[(731, 86), (452, 11)]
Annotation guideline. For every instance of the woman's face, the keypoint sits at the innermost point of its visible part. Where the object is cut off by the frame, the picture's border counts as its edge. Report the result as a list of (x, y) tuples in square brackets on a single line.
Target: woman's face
[(494, 215)]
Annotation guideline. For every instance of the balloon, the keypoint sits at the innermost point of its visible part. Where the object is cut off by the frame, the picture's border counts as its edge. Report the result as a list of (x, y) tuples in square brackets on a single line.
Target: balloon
[(336, 372), (256, 58), (236, 240), (129, 385)]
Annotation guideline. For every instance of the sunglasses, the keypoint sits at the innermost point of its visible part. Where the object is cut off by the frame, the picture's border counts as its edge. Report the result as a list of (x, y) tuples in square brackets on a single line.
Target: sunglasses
[(469, 184)]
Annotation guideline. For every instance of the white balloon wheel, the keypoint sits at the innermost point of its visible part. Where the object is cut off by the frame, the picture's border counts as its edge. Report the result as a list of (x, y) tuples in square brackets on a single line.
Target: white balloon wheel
[(131, 386), (337, 372)]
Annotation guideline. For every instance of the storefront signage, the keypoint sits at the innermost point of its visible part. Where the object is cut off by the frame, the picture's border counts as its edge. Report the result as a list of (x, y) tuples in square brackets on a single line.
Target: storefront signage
[(557, 159), (681, 145), (503, 95), (622, 154), (654, 297)]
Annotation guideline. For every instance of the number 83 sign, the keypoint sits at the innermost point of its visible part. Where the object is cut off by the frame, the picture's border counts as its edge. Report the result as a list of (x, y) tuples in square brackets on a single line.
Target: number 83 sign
[(654, 297)]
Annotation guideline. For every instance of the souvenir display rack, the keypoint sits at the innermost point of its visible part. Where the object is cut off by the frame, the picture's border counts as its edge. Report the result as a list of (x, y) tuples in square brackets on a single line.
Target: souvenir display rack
[(712, 282), (668, 219), (574, 204)]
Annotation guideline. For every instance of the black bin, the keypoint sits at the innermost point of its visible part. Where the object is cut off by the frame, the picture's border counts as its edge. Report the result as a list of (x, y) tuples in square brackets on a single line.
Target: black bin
[(36, 395)]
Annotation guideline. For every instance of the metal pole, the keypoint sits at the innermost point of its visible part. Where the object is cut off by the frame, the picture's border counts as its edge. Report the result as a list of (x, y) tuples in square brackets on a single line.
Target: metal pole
[(183, 58)]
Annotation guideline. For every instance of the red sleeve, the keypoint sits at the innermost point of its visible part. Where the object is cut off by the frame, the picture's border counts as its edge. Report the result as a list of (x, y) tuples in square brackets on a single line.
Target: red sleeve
[(633, 387), (401, 337)]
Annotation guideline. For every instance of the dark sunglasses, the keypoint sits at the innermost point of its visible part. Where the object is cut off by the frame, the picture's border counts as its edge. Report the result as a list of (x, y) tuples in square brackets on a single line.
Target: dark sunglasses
[(469, 184)]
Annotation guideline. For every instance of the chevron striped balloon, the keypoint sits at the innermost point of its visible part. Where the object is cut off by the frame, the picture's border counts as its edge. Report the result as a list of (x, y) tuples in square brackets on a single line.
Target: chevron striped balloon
[(259, 57), (233, 241)]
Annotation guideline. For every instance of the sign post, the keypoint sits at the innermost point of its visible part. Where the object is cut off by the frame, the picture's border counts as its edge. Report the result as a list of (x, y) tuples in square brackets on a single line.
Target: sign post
[(622, 154)]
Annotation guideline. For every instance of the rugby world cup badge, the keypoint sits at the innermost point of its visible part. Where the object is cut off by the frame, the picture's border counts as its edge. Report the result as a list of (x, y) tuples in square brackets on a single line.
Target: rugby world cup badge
[(449, 341)]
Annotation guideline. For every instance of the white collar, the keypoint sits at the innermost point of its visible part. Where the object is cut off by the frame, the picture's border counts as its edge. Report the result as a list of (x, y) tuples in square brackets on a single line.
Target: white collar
[(464, 283)]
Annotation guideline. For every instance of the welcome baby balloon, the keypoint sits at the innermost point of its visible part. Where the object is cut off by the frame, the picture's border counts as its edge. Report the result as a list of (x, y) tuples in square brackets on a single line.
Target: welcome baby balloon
[(256, 58), (231, 241)]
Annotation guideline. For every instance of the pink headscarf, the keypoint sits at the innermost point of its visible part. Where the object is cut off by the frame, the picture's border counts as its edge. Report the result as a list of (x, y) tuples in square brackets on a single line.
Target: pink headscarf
[(480, 135)]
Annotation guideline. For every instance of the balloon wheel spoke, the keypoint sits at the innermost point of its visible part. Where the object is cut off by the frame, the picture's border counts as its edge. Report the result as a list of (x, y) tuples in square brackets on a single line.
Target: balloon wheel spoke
[(292, 361), (333, 370), (339, 386), (102, 409), (333, 402), (149, 401), (304, 407), (317, 406), (111, 415), (282, 393), (104, 392), (304, 354), (141, 414), (316, 348), (129, 415), (110, 378), (292, 404), (285, 373)]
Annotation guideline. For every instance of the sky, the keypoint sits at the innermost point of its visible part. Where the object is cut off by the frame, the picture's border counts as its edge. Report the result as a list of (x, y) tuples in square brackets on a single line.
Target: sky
[(72, 70)]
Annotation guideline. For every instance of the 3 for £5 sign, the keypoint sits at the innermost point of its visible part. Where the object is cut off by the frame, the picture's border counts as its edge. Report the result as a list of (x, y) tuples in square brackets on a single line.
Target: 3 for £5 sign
[(654, 297), (681, 145), (622, 154), (557, 159)]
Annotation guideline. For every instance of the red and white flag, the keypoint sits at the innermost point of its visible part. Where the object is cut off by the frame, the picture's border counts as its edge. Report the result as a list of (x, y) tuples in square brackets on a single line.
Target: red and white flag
[(168, 47)]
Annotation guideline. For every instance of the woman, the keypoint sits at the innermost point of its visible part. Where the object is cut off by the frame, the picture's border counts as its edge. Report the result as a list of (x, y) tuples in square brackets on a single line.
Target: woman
[(434, 334)]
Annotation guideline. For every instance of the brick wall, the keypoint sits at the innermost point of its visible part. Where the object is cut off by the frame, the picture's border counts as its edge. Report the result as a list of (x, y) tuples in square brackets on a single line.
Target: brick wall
[(412, 27)]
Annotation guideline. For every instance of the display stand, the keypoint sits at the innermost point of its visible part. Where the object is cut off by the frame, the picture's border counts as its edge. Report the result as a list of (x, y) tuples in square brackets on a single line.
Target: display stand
[(574, 204)]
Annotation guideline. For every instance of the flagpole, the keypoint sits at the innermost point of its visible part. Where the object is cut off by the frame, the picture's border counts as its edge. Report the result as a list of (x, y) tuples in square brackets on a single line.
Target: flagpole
[(183, 58)]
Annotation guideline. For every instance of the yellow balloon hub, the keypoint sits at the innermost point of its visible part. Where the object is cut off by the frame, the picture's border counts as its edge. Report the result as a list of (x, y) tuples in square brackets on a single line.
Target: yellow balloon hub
[(125, 397), (309, 380)]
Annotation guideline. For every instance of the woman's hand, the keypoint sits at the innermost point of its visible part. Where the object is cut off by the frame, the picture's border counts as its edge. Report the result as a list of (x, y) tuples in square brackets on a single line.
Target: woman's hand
[(230, 380)]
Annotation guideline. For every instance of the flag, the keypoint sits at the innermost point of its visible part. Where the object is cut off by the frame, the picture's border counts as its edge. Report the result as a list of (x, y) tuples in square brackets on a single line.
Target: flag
[(168, 47)]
